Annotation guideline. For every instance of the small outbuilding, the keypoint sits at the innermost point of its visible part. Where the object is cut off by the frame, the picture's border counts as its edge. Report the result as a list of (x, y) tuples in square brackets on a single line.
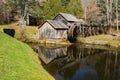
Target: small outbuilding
[(52, 29)]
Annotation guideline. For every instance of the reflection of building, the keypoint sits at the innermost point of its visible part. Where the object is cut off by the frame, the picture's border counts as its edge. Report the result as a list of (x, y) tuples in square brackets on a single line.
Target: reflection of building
[(49, 54), (70, 54)]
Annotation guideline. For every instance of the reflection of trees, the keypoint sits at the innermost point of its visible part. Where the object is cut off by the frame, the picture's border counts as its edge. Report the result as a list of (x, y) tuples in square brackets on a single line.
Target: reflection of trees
[(107, 67), (69, 59), (111, 66), (116, 60)]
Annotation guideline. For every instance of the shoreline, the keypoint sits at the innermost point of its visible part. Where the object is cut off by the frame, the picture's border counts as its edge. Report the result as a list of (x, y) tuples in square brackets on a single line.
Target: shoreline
[(99, 40), (82, 41), (29, 37)]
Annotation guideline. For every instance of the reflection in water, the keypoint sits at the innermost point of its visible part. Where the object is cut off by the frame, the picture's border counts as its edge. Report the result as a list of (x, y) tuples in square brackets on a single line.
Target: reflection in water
[(80, 63), (49, 54)]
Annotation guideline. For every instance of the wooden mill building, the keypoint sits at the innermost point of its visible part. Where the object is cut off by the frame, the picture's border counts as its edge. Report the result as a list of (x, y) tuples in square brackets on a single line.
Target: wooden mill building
[(67, 26), (60, 27)]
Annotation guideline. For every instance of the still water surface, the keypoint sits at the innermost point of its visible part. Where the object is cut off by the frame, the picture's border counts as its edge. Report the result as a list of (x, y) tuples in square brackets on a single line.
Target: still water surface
[(80, 62)]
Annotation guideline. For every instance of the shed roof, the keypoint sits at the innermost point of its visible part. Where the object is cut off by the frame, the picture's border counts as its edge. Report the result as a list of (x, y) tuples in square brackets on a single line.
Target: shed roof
[(81, 21), (58, 25), (68, 17)]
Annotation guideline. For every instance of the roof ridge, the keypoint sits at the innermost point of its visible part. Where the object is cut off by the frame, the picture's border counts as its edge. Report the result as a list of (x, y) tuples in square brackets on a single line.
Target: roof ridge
[(57, 24), (69, 17)]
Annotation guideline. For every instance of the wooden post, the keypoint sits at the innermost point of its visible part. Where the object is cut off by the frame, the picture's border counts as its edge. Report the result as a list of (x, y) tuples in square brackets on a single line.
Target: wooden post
[(80, 30)]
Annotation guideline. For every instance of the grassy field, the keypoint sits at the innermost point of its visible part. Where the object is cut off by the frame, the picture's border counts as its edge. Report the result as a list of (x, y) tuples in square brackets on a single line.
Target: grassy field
[(19, 62), (107, 40), (29, 35)]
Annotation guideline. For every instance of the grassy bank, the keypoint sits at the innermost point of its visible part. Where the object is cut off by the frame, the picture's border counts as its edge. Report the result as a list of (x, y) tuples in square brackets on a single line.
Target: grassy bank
[(107, 40), (55, 41), (29, 35), (19, 62)]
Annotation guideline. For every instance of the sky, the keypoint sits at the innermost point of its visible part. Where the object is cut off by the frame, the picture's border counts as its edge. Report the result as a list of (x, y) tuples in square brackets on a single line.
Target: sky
[(85, 2)]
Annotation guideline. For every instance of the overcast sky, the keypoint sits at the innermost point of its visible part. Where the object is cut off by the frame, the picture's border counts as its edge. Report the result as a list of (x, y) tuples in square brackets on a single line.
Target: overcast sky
[(85, 2)]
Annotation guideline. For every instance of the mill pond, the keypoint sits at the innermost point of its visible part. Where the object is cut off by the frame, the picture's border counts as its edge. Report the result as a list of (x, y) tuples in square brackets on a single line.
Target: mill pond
[(80, 62)]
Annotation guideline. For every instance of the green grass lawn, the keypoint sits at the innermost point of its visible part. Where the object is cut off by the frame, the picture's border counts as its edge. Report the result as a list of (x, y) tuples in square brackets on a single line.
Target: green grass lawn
[(19, 62)]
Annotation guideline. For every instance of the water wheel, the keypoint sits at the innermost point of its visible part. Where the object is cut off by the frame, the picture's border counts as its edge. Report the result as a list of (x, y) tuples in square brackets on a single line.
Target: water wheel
[(73, 32)]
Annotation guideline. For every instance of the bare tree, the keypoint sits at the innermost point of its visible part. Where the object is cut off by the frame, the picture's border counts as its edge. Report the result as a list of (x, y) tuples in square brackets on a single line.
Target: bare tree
[(117, 15)]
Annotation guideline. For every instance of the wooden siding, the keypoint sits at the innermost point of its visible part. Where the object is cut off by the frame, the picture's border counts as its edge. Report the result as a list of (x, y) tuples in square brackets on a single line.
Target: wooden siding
[(47, 31)]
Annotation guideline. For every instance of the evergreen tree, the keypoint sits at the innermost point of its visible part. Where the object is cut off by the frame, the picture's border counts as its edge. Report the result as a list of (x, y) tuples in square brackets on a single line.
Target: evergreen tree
[(50, 8), (65, 2), (74, 7)]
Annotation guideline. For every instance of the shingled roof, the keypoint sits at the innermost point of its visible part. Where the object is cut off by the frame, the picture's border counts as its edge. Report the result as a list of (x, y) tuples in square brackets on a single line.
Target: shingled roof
[(68, 17), (58, 25)]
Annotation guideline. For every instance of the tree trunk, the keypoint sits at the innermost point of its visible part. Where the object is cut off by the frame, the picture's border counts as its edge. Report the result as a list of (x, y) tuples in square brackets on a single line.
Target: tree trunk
[(111, 4), (108, 16), (117, 15)]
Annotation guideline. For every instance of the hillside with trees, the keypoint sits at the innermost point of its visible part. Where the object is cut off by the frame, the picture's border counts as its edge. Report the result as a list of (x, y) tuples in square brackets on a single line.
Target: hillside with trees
[(12, 10)]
